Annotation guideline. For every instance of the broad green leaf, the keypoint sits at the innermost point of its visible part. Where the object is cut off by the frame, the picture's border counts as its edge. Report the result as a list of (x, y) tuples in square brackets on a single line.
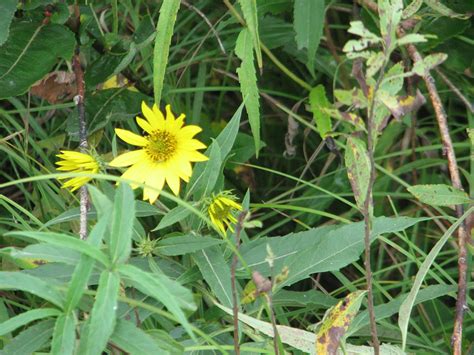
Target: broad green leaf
[(185, 244), (164, 32), (173, 296), (337, 247), (31, 339), (103, 314), (46, 252), (443, 10), (439, 195), (308, 23), (64, 335), (30, 52), (64, 240), (225, 140), (27, 317), (318, 102), (176, 215), (123, 215), (7, 10), (248, 83), (249, 10), (351, 97), (27, 283), (133, 340), (336, 321), (216, 272), (289, 298), (84, 268), (407, 305), (358, 169)]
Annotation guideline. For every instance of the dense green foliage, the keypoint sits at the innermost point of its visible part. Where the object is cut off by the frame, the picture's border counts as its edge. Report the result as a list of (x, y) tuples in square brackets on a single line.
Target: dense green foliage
[(316, 119)]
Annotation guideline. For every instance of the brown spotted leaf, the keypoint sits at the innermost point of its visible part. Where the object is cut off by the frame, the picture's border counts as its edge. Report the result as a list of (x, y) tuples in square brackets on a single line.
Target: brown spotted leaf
[(358, 169), (336, 322)]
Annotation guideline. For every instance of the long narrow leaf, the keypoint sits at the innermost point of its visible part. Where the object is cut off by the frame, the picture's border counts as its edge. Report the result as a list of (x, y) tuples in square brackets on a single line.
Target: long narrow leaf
[(103, 314), (168, 12), (27, 317), (407, 305), (248, 83), (64, 335), (64, 240)]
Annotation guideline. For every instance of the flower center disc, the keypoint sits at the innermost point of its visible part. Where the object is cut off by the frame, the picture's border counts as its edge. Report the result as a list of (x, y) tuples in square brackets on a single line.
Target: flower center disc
[(161, 146)]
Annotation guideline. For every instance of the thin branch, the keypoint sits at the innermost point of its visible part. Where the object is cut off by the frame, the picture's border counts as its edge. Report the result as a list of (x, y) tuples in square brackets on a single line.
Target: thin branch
[(453, 87), (453, 168), (235, 306), (203, 16), (83, 146)]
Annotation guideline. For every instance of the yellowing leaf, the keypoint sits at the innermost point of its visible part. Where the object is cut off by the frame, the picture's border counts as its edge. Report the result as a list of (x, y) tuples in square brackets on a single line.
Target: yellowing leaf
[(336, 322)]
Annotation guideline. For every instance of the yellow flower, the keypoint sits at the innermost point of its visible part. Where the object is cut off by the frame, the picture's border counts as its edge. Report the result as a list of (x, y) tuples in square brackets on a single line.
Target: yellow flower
[(78, 163), (167, 150), (221, 209)]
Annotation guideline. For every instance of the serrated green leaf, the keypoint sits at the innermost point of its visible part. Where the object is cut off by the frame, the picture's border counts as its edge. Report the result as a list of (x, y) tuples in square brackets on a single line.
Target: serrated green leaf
[(31, 284), (27, 317), (249, 10), (30, 53), (164, 29), (133, 340), (318, 102), (103, 314), (439, 195), (7, 10), (216, 272), (308, 24), (64, 335), (248, 83), (185, 244)]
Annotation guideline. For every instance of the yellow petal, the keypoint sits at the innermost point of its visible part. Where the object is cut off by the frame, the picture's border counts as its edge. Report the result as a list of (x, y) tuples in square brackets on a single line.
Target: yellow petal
[(156, 181), (169, 114), (129, 158), (136, 173), (159, 118), (131, 138), (173, 182), (196, 156), (144, 125), (188, 132), (191, 144)]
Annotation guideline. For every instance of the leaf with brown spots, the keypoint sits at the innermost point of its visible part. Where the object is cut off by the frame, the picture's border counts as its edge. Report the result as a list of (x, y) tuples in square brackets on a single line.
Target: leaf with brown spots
[(336, 322), (358, 169)]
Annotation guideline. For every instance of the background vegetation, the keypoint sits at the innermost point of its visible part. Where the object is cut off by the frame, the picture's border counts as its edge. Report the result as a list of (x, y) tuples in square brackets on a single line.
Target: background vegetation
[(328, 131)]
